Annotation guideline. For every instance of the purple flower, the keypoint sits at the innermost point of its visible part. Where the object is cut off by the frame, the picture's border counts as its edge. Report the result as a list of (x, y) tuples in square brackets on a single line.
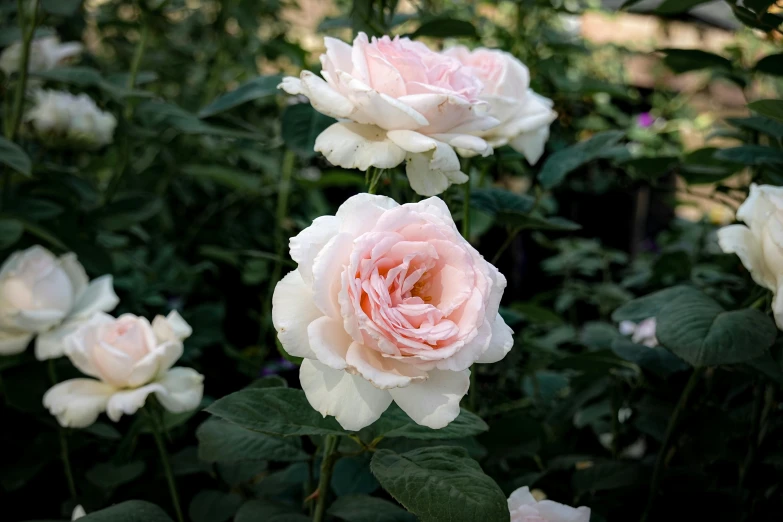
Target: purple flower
[(645, 120)]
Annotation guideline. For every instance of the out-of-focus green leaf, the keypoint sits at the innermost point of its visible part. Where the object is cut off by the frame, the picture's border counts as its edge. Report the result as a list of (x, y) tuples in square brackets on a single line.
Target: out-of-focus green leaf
[(769, 108), (261, 87), (684, 60), (14, 157), (564, 161)]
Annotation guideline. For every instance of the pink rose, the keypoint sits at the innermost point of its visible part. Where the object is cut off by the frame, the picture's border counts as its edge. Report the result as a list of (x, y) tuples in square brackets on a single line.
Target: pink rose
[(129, 359), (525, 508), (397, 101), (524, 115), (389, 303)]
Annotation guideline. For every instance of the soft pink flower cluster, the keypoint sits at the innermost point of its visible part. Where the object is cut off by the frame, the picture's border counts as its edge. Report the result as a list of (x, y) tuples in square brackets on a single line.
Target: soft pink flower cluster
[(397, 100)]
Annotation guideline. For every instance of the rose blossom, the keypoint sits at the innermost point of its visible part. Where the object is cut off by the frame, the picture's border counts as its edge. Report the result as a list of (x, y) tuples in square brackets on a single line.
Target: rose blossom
[(525, 508), (396, 101), (524, 115), (45, 54), (759, 245), (61, 118), (130, 358), (47, 296), (643, 333), (389, 303)]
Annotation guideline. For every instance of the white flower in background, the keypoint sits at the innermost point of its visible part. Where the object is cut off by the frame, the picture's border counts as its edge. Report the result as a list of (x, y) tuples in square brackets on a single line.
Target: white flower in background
[(525, 508), (78, 512), (397, 101), (46, 53), (389, 303), (130, 358), (759, 243), (59, 118), (47, 296), (524, 115), (642, 333)]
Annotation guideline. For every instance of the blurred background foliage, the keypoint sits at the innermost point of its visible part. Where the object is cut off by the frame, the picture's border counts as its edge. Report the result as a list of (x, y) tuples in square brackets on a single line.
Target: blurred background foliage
[(212, 170)]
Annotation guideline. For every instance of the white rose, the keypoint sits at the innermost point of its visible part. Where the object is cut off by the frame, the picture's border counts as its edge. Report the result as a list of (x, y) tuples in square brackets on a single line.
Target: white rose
[(396, 101), (45, 54), (61, 118), (48, 296), (759, 245), (389, 303), (524, 115), (78, 512), (130, 358), (643, 333), (524, 508)]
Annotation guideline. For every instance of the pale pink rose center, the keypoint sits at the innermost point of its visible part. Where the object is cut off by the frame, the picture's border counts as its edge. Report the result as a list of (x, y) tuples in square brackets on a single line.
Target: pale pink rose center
[(401, 67), (117, 347), (411, 293), (488, 66)]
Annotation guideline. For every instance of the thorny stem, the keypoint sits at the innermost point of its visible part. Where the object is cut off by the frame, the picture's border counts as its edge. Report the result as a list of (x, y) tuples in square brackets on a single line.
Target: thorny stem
[(327, 466)]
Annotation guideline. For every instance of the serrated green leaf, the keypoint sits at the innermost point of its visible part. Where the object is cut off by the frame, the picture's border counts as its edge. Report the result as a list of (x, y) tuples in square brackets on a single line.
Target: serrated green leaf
[(130, 511), (14, 157), (261, 87), (11, 231), (364, 508), (697, 329), (222, 441), (758, 155), (275, 411), (109, 475), (440, 484), (769, 108), (770, 64), (684, 60), (395, 423), (564, 161), (650, 305)]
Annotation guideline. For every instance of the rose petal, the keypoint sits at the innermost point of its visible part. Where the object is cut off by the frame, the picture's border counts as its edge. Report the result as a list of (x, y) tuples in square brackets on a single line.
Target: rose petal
[(37, 320), (329, 341), (98, 296), (520, 497), (51, 344), (382, 372), (353, 145), (327, 267), (77, 402), (306, 245), (128, 402), (292, 311), (554, 511), (531, 144), (183, 389), (324, 98), (430, 173), (155, 363), (500, 344), (435, 402), (171, 328), (75, 272), (79, 354), (739, 239), (360, 213), (13, 343), (353, 401)]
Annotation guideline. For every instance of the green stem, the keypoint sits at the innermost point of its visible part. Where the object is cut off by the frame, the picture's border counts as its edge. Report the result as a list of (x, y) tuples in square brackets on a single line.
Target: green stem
[(63, 436), (13, 123), (667, 440), (281, 239), (124, 149), (157, 432), (327, 466), (511, 235), (376, 176)]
